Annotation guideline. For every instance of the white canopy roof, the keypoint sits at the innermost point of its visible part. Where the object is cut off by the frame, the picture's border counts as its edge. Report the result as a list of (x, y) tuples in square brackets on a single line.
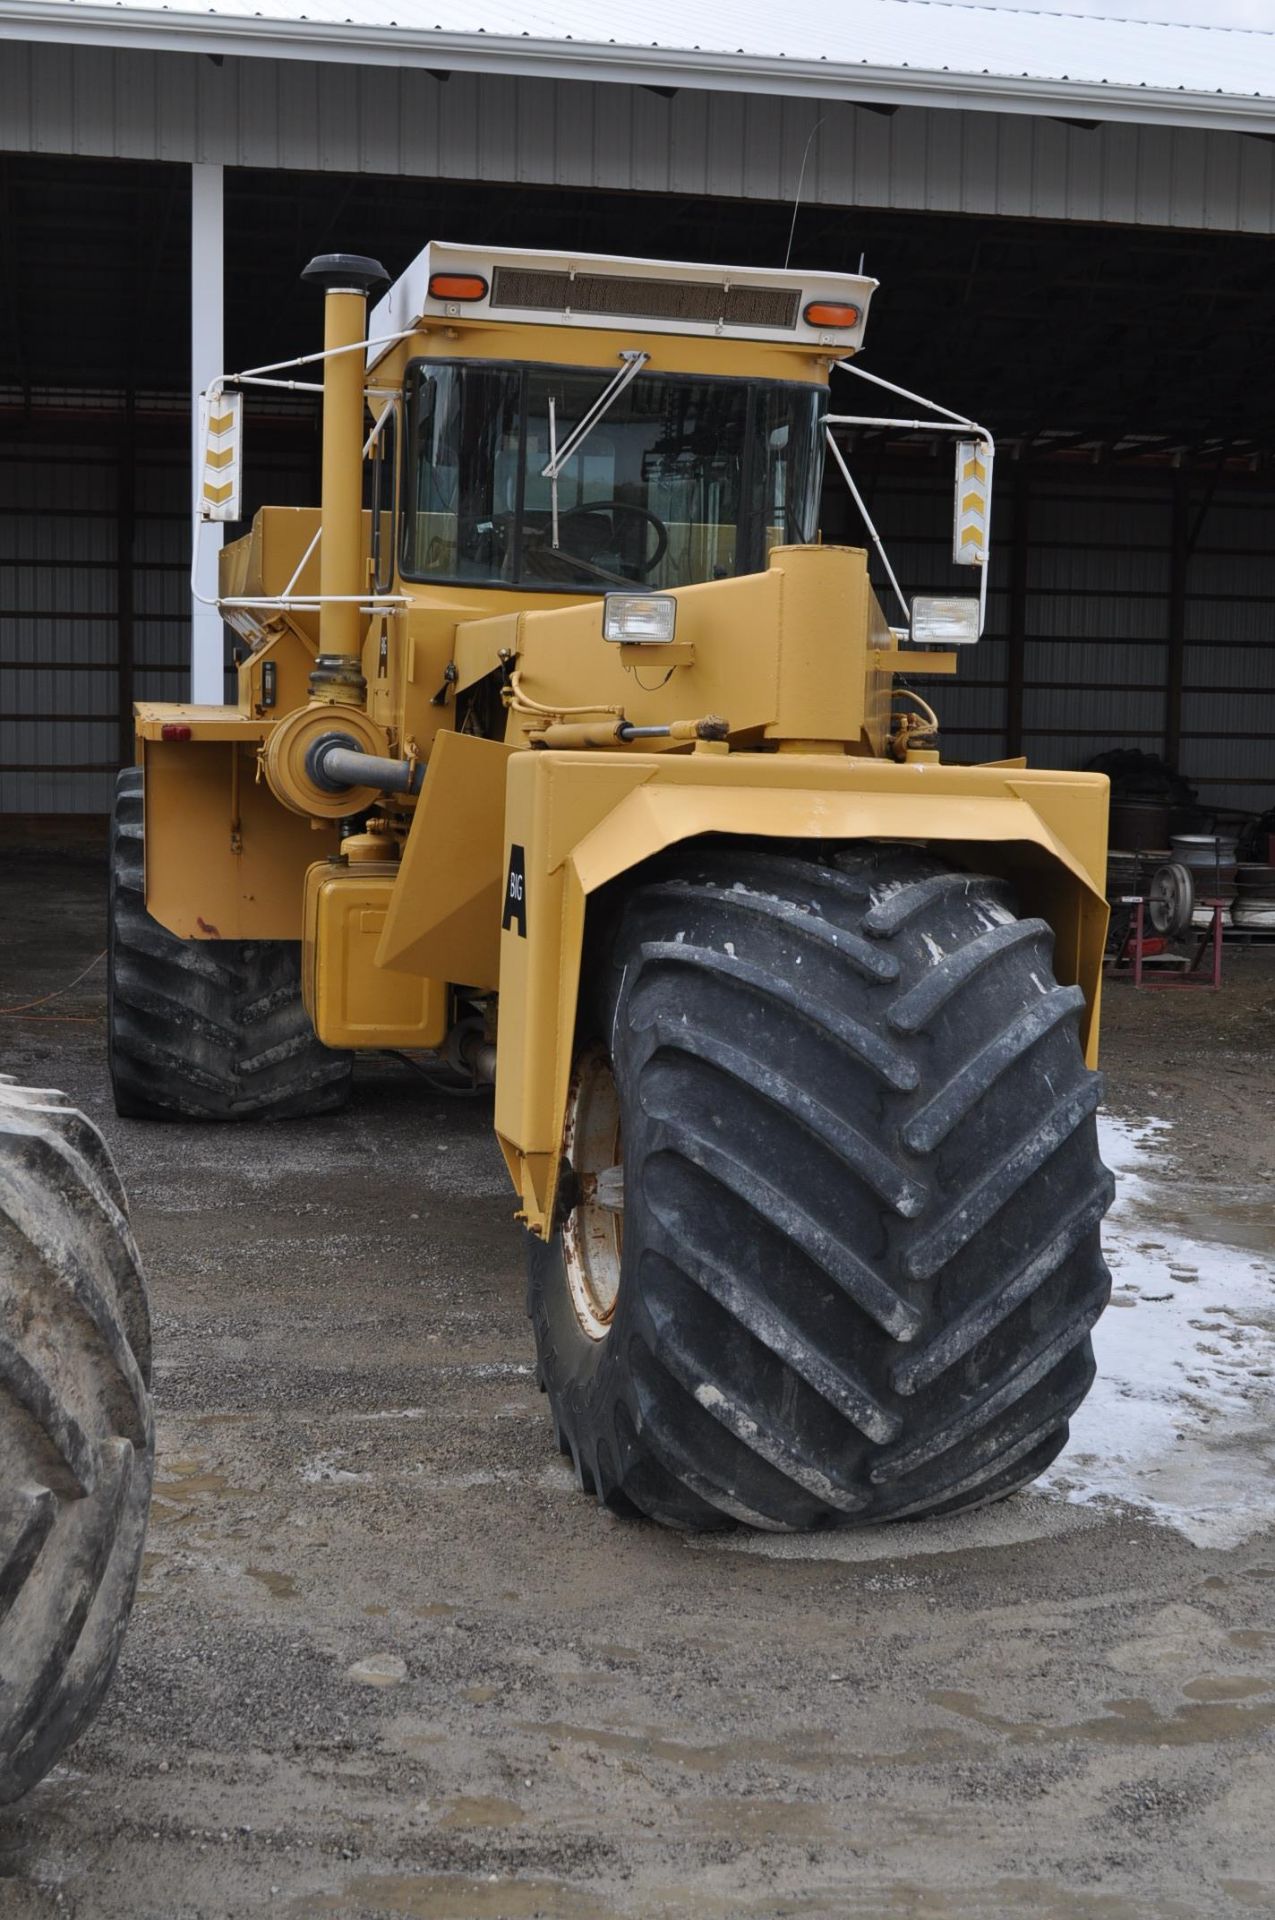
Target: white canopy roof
[(917, 52)]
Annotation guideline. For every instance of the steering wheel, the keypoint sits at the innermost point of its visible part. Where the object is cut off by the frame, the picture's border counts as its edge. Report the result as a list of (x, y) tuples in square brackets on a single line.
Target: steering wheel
[(644, 567)]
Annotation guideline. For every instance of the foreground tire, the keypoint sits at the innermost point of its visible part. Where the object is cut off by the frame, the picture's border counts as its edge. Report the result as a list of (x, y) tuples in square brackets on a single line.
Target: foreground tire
[(77, 1449), (828, 1251), (205, 1029)]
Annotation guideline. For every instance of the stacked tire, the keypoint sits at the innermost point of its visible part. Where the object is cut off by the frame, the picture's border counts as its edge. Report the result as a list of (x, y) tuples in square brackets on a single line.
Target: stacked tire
[(1254, 907)]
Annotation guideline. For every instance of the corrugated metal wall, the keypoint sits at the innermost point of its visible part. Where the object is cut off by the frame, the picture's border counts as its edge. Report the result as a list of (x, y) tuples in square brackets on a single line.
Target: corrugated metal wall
[(1097, 593), (1228, 737), (70, 511), (1096, 604), (315, 116), (95, 589)]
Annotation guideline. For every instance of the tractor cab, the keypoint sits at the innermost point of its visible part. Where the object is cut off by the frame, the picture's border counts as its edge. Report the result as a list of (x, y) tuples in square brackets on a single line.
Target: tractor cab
[(572, 426), (671, 478)]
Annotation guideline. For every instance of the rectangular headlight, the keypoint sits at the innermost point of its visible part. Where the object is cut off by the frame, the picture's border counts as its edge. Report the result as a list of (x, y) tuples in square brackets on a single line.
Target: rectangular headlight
[(941, 620), (639, 619)]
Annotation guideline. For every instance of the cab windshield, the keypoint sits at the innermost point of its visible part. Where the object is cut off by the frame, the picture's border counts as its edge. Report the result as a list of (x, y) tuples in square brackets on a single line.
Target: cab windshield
[(683, 479)]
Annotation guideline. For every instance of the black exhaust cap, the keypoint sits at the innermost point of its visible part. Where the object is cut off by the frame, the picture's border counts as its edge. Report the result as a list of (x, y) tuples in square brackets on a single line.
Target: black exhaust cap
[(345, 270)]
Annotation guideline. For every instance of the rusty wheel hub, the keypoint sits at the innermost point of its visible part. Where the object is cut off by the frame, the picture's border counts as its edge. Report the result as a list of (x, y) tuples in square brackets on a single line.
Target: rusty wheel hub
[(593, 1237)]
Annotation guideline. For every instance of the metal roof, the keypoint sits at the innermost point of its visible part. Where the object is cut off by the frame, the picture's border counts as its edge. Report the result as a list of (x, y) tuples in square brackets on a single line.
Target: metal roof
[(913, 52)]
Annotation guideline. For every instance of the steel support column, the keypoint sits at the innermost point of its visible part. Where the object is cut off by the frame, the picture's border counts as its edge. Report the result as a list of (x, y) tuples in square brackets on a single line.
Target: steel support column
[(207, 635), (1179, 556), (1016, 634), (125, 595)]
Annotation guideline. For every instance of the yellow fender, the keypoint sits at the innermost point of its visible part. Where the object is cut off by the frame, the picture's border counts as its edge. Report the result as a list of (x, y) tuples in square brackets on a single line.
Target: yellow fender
[(576, 821)]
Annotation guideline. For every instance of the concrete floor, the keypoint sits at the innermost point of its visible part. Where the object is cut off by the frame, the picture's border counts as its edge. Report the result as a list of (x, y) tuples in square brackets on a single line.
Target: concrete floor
[(386, 1660)]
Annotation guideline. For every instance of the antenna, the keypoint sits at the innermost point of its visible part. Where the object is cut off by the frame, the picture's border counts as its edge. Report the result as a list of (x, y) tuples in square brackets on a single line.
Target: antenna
[(801, 181)]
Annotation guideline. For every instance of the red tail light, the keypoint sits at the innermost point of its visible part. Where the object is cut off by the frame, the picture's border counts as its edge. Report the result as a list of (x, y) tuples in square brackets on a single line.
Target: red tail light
[(457, 286), (828, 313)]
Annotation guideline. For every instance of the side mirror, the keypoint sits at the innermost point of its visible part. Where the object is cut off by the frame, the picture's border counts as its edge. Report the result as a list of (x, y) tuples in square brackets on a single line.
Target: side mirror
[(220, 437), (972, 503)]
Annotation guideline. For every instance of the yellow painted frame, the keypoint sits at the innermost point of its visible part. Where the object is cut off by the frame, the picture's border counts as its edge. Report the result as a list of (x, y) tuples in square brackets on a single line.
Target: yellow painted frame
[(224, 861)]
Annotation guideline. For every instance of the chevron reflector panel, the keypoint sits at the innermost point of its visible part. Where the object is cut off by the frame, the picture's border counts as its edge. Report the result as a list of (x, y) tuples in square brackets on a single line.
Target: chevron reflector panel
[(969, 529), (221, 424)]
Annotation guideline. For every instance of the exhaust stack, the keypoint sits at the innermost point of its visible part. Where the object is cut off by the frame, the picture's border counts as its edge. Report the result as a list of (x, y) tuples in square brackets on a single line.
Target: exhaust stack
[(346, 280)]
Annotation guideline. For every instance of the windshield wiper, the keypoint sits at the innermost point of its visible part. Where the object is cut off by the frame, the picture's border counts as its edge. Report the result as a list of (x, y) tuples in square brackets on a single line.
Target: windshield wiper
[(634, 361)]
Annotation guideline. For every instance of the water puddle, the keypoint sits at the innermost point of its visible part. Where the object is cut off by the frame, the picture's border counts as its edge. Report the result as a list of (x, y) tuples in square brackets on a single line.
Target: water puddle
[(455, 1896), (181, 1492), (1126, 1723), (1225, 1686), (1181, 1419), (186, 1474), (476, 1813), (280, 1586), (811, 1751), (747, 1821)]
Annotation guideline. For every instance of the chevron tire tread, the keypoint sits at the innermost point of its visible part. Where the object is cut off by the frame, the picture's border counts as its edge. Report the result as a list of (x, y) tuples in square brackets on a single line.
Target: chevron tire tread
[(205, 1029), (77, 1446), (862, 1196)]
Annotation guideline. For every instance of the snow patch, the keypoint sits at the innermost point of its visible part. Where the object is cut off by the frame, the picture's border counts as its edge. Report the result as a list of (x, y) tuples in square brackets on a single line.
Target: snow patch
[(321, 1470)]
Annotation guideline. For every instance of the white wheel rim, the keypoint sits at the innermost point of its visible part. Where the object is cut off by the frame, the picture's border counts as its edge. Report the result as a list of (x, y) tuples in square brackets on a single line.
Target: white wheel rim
[(593, 1236)]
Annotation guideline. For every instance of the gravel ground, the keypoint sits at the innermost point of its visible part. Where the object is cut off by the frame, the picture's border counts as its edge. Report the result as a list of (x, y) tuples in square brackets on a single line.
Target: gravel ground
[(386, 1660)]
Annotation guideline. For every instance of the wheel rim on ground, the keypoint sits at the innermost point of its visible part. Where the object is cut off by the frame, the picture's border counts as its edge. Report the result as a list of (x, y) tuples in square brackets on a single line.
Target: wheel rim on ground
[(1171, 900), (593, 1237)]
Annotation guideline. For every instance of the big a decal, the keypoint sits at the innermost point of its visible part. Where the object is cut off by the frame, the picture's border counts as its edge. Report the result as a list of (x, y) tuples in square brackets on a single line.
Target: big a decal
[(516, 893)]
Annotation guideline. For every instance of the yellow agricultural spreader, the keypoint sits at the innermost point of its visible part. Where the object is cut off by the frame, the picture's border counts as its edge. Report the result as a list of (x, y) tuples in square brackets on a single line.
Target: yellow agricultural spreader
[(565, 752)]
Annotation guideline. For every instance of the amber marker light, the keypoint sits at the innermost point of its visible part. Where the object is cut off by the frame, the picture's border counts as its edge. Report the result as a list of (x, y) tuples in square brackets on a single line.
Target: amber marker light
[(457, 286), (827, 313)]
